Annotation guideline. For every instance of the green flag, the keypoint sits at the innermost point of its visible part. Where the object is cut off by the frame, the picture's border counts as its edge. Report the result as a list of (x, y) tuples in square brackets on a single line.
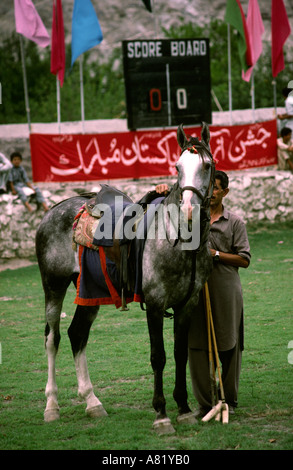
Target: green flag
[(235, 17)]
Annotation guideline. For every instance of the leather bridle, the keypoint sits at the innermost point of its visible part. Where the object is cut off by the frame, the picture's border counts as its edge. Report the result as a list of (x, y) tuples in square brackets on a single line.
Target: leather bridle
[(204, 197), (209, 192)]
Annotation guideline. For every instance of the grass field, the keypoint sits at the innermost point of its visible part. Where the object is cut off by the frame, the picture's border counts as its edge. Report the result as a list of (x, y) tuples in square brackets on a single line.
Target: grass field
[(118, 358)]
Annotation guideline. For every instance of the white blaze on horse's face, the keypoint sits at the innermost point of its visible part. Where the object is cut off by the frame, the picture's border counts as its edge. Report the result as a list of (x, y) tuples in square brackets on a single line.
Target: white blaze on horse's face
[(194, 173)]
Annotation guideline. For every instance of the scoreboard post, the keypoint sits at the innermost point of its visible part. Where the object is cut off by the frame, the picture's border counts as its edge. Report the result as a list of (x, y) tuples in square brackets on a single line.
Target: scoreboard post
[(167, 82)]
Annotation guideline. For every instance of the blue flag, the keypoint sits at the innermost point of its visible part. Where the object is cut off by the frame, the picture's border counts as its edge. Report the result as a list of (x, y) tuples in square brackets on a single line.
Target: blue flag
[(86, 29)]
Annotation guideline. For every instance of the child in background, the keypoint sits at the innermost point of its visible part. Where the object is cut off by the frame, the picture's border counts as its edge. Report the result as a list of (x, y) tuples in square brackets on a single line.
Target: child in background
[(5, 167), (18, 180)]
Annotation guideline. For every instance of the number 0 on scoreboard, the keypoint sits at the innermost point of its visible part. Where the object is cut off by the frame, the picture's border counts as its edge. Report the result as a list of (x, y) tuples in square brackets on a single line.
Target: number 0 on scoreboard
[(167, 82)]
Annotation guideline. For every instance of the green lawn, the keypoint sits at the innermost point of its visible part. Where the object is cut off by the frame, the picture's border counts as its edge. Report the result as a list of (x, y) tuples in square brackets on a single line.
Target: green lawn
[(118, 358)]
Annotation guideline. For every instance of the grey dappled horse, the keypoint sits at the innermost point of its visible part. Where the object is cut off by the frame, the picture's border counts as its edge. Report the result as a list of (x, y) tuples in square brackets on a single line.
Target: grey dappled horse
[(173, 272)]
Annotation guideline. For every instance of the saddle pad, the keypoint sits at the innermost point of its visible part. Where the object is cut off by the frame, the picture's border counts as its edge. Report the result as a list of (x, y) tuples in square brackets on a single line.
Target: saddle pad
[(98, 282)]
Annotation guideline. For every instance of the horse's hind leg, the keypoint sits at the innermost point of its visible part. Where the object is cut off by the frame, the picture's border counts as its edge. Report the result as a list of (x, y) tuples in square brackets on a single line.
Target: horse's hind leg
[(52, 340), (78, 333)]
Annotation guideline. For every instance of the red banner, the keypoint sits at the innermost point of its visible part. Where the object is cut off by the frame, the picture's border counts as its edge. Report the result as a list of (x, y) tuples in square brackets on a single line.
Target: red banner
[(138, 154)]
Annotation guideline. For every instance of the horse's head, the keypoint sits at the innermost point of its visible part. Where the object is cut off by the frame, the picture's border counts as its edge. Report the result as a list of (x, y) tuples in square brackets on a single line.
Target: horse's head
[(196, 170)]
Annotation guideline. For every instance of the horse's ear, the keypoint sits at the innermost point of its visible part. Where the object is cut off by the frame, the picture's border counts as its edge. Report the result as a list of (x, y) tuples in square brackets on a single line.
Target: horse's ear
[(205, 134), (181, 137)]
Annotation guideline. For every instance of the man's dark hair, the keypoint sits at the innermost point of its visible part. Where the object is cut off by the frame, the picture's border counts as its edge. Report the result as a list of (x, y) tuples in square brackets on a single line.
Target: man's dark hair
[(286, 131), (286, 91), (220, 175), (15, 154)]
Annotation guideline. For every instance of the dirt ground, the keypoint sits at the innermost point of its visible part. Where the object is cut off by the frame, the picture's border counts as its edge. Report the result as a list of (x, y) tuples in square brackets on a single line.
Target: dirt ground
[(14, 263)]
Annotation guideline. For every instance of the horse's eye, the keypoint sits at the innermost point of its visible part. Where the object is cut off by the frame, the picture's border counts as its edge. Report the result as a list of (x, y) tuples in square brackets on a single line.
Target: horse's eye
[(207, 166)]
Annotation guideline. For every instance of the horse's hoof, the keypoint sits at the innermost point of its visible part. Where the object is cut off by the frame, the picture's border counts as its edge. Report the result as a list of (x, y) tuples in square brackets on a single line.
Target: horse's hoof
[(163, 426), (51, 415), (186, 418), (96, 411)]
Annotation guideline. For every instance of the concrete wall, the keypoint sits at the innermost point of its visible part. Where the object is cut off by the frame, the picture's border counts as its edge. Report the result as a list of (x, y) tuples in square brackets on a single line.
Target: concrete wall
[(260, 195), (256, 195)]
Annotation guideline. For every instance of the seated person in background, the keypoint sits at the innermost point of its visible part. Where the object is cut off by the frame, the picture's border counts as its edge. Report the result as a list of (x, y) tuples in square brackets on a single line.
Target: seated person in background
[(5, 167), (18, 180), (285, 149), (287, 118)]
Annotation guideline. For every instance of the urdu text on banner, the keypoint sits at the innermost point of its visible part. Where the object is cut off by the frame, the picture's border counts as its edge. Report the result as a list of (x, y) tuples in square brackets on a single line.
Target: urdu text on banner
[(150, 153)]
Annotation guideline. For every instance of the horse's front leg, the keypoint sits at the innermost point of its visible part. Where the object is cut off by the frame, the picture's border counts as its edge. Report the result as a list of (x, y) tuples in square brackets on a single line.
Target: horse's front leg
[(162, 424), (78, 333), (181, 355)]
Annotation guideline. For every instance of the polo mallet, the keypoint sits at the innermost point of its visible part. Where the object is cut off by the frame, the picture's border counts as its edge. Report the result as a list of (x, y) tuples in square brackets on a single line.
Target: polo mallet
[(221, 408), (213, 381)]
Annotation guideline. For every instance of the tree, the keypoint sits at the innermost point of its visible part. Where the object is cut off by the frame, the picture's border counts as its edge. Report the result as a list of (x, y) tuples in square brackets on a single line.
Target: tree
[(104, 94), (103, 86), (216, 31)]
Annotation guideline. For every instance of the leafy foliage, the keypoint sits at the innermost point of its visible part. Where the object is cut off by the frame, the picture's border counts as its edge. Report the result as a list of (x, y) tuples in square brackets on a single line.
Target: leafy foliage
[(103, 86), (216, 31)]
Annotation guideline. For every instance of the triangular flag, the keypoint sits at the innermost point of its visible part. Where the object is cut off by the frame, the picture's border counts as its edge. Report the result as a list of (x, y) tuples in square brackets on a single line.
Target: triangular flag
[(255, 30), (235, 17), (86, 30), (58, 43), (280, 31), (29, 24)]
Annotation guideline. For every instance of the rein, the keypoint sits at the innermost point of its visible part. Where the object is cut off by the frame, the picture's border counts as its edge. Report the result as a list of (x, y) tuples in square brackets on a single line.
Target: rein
[(194, 190)]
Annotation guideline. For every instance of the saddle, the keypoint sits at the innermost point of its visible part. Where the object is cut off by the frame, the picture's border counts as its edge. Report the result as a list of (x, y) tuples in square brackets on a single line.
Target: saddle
[(84, 228), (122, 251), (87, 219)]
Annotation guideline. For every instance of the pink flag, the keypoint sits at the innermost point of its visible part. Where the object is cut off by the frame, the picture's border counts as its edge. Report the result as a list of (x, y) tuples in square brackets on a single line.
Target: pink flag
[(280, 32), (255, 30), (29, 24)]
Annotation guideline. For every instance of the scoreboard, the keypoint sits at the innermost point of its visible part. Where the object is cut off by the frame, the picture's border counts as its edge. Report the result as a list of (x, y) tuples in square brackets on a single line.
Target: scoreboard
[(167, 82)]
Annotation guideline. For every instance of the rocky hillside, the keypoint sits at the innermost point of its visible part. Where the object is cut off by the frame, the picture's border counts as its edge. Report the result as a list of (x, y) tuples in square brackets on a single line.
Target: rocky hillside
[(129, 19)]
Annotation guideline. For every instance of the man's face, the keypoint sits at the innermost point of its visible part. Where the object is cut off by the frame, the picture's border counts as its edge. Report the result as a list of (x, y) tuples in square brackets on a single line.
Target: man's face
[(218, 193)]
